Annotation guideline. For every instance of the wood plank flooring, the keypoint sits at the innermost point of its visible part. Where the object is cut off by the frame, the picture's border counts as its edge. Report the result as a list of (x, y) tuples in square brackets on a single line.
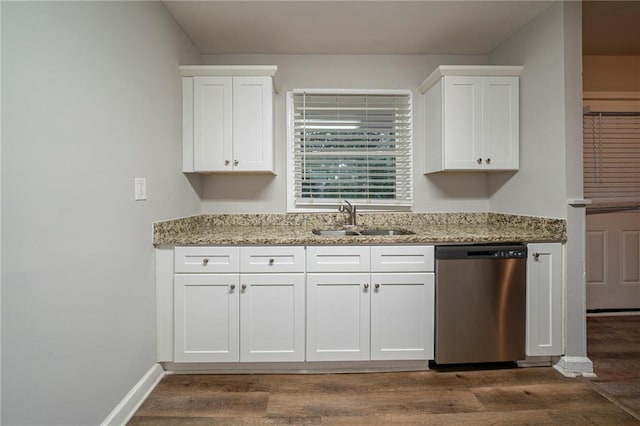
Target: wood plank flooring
[(475, 396), (613, 344)]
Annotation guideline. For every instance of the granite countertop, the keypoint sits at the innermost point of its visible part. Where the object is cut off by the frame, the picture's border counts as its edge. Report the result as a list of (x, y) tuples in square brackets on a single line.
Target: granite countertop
[(295, 229)]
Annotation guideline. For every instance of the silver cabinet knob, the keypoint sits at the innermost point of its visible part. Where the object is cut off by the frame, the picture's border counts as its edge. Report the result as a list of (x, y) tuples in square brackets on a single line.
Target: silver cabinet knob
[(205, 261), (226, 162), (366, 286), (479, 161), (488, 160), (243, 286), (236, 162), (536, 256), (271, 261), (232, 287), (377, 286)]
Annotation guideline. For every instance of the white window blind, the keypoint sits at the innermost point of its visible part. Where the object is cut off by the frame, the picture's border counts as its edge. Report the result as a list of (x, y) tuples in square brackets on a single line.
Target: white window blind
[(354, 146), (611, 156)]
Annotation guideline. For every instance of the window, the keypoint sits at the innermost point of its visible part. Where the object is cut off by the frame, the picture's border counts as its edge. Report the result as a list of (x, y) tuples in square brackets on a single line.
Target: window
[(349, 145), (611, 156)]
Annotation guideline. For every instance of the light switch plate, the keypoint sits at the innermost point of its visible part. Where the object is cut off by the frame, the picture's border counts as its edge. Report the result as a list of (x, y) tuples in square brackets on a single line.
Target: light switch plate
[(140, 189)]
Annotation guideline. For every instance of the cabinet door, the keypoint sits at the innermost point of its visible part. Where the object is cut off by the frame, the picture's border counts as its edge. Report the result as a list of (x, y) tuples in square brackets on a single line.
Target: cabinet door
[(252, 124), (402, 316), (272, 317), (212, 123), (338, 309), (206, 315), (544, 299), (462, 122), (500, 130)]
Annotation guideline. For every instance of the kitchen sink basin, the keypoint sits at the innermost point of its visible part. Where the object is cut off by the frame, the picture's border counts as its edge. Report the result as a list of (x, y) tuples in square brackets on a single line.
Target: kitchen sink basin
[(334, 232), (365, 232), (386, 232)]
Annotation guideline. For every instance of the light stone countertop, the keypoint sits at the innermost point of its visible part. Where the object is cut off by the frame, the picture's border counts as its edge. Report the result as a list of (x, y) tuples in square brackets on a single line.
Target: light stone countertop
[(295, 229)]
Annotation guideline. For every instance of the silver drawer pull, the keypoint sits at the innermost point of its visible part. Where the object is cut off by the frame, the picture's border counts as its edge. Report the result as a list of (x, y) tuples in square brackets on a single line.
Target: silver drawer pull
[(377, 286), (243, 286), (479, 161), (205, 261), (366, 286), (488, 160), (271, 261), (536, 256), (232, 287)]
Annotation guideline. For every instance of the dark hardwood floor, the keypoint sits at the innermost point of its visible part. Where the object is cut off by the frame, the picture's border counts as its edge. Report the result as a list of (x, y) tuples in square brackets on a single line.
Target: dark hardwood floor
[(613, 344), (478, 396)]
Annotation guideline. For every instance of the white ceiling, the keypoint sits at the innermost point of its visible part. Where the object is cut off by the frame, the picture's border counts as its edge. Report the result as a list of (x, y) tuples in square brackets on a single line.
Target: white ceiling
[(352, 27)]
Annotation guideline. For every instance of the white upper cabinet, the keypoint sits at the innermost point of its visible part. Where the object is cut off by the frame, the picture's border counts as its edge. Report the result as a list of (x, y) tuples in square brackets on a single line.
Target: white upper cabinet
[(228, 118), (472, 118)]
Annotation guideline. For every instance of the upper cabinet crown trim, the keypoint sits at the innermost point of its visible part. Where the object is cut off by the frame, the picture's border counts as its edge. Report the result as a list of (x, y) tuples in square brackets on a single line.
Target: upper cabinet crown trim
[(470, 70), (234, 70)]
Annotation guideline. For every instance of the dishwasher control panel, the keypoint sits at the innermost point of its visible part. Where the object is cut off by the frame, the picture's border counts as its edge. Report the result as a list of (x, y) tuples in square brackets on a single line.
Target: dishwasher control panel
[(511, 251)]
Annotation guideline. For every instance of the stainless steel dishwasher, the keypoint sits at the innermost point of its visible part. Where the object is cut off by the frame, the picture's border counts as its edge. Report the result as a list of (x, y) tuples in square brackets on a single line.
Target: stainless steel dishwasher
[(480, 303)]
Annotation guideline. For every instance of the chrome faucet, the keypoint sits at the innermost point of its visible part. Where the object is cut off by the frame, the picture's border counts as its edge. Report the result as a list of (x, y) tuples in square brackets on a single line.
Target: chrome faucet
[(349, 209)]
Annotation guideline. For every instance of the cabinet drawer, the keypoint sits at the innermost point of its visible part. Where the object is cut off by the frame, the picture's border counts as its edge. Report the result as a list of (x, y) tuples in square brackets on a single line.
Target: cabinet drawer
[(338, 259), (207, 259), (402, 259), (272, 259)]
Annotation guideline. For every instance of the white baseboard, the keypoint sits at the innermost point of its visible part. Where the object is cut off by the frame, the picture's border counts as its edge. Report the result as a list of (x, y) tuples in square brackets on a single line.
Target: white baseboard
[(136, 396), (315, 367), (573, 366)]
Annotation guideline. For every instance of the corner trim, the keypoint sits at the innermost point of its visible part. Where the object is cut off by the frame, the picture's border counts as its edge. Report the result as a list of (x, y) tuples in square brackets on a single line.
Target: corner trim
[(574, 366), (135, 397)]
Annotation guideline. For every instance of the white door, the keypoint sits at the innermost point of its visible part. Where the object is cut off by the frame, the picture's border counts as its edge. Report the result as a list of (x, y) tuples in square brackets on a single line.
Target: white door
[(212, 123), (206, 315), (272, 317), (402, 316), (613, 260), (462, 122), (253, 123), (500, 124), (544, 299), (338, 308)]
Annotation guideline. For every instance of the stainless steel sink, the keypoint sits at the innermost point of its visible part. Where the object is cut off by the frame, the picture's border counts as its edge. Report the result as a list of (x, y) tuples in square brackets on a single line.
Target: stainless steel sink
[(386, 232), (365, 232), (334, 232)]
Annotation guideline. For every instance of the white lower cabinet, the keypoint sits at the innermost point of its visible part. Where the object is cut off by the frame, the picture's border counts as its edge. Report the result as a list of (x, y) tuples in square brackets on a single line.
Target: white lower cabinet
[(544, 300), (357, 316), (272, 317), (402, 316), (231, 317), (338, 312), (206, 317)]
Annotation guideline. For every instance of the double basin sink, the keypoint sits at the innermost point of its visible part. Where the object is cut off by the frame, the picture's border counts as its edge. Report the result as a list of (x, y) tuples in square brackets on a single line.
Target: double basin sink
[(363, 232)]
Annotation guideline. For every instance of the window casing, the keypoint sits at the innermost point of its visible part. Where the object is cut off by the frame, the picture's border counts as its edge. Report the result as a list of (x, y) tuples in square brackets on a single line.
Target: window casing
[(349, 145)]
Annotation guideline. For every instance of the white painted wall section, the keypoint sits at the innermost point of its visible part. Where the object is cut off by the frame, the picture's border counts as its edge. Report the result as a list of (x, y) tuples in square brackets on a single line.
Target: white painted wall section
[(267, 194), (91, 98)]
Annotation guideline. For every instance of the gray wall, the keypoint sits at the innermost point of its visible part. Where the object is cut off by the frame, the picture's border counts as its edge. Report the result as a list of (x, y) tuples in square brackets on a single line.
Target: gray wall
[(550, 48), (433, 193), (91, 98), (539, 187)]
